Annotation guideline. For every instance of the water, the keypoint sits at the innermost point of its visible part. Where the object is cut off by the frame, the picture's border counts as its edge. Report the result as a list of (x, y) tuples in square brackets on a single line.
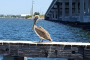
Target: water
[(19, 29)]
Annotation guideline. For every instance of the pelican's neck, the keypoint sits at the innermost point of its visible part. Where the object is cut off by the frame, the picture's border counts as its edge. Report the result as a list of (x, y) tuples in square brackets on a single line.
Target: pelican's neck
[(33, 27), (34, 24)]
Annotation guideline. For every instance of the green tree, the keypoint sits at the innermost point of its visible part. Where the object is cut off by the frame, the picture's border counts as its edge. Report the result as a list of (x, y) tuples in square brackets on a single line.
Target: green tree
[(1, 15), (41, 16), (36, 13), (28, 16), (13, 16)]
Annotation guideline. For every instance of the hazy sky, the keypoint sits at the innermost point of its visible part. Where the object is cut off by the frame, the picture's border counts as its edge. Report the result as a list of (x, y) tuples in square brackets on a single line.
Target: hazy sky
[(23, 6)]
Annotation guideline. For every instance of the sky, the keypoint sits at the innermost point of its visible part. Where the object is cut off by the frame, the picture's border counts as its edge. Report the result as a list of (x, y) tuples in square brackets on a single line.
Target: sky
[(17, 7)]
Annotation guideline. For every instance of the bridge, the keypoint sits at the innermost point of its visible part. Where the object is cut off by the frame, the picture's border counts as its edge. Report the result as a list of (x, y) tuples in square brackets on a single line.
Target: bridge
[(69, 10), (19, 50)]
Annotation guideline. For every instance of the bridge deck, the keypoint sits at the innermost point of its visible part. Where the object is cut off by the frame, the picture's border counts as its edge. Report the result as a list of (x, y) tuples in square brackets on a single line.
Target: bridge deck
[(45, 49)]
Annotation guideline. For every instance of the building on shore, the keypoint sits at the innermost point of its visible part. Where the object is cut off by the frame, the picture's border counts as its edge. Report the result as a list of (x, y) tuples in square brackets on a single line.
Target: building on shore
[(69, 10), (24, 15)]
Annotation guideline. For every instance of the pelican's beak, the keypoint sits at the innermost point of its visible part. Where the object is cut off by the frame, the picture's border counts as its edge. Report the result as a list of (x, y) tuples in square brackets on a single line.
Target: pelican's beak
[(32, 27), (35, 20)]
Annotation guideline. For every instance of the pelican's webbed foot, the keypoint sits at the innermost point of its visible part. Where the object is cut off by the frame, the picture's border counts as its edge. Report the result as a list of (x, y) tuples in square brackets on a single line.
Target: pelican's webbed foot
[(40, 40)]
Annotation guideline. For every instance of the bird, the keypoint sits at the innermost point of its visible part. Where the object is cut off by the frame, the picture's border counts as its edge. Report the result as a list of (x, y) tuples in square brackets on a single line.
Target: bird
[(41, 32)]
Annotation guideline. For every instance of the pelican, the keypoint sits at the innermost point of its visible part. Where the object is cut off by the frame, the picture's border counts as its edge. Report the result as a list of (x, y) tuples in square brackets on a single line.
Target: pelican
[(41, 32)]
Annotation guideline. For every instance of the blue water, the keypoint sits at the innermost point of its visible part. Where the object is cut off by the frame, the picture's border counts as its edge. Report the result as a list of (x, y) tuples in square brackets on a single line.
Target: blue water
[(19, 29)]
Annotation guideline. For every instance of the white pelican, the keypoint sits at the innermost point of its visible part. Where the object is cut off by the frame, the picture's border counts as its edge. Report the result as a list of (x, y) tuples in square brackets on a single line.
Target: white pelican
[(41, 32)]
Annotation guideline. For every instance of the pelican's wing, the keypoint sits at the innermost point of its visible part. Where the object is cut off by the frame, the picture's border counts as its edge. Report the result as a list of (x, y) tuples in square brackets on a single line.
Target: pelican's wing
[(42, 33)]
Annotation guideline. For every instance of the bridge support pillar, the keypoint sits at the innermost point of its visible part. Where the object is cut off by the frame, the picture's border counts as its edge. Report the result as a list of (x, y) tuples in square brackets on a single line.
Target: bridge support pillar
[(89, 5), (81, 10), (76, 7), (14, 58), (70, 8), (86, 5), (63, 10), (58, 11)]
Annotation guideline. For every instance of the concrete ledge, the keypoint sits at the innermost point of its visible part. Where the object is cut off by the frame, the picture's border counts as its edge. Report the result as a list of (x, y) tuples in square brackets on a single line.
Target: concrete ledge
[(75, 50), (49, 43)]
